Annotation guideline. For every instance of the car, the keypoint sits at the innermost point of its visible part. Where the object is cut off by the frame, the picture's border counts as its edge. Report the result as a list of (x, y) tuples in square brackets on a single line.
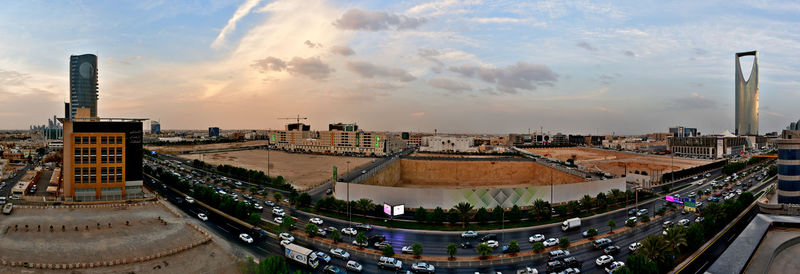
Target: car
[(340, 253), (667, 224), (202, 216), (330, 229), (356, 243), (189, 200), (536, 238), (557, 254), (692, 195), (602, 243), (14, 197), (376, 238), (422, 267), (285, 242), (270, 203), (684, 222), (389, 262), (321, 232), (633, 219), (613, 267), (349, 231), (695, 178), (354, 266), (488, 237), (553, 266), (469, 234), (366, 227), (571, 270), (2, 200), (666, 230), (323, 256), (246, 238), (699, 204), (278, 212), (571, 262), (286, 236), (631, 211), (363, 172), (406, 249), (492, 243), (699, 219), (550, 242), (316, 221), (278, 220), (329, 269), (604, 259), (612, 249), (258, 206), (677, 195), (634, 246), (466, 245), (585, 233), (642, 211)]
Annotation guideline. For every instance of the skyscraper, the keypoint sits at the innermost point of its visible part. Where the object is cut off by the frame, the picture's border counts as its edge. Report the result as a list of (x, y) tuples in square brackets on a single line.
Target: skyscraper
[(83, 83), (747, 97)]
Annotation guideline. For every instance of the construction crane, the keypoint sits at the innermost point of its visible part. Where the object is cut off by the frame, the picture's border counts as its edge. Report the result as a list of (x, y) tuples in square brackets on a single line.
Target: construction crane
[(294, 118)]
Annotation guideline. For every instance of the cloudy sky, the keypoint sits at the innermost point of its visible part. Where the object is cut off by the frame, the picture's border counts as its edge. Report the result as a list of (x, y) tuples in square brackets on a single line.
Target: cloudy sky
[(456, 66)]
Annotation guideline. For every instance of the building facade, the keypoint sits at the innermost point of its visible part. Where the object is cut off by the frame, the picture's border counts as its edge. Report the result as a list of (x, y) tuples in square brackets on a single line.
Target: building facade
[(711, 147), (789, 167), (298, 137), (213, 132), (102, 160), (155, 127), (680, 131), (448, 144), (83, 91), (747, 97)]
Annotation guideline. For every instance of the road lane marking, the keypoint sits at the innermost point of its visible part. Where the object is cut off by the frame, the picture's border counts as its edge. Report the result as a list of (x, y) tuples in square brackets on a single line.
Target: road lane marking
[(223, 229)]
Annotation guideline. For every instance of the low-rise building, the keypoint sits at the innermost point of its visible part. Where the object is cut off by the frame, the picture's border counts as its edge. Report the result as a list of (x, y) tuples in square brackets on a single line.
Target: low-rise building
[(711, 147), (448, 144), (298, 137)]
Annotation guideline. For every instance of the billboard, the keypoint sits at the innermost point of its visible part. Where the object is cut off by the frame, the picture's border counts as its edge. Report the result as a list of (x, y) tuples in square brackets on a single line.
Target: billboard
[(673, 199), (387, 208), (399, 210)]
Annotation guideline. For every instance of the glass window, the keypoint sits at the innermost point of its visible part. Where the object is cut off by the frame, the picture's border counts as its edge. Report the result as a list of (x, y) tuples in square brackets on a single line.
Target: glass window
[(119, 140), (93, 156), (93, 140), (77, 175), (77, 139), (103, 140)]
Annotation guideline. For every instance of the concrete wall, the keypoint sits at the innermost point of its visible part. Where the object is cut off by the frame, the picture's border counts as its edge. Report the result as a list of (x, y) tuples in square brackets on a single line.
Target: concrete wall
[(479, 197)]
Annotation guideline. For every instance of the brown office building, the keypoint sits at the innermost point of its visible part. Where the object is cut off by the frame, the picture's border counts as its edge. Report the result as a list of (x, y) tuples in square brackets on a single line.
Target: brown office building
[(102, 159)]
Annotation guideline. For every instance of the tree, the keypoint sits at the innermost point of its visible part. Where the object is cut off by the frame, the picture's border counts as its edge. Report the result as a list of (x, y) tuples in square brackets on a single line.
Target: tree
[(616, 195), (361, 239), (304, 200), (700, 193), (587, 202), (515, 214), (336, 236), (601, 201), (438, 216), (482, 216), (513, 247), (591, 232), (254, 219), (538, 247), (695, 236), (416, 249), (452, 250), (311, 229), (645, 218), (388, 250), (365, 205), (638, 263), (483, 250), (287, 224), (676, 238), (611, 225), (573, 207), (277, 196), (463, 209), (498, 213), (654, 248), (561, 210), (563, 242), (420, 215), (541, 209)]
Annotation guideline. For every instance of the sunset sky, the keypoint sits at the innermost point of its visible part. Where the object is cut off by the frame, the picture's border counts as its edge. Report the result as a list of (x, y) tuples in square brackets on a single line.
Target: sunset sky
[(457, 66)]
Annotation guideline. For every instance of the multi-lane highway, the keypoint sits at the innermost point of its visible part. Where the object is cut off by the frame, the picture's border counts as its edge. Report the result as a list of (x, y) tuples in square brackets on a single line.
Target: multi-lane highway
[(434, 242)]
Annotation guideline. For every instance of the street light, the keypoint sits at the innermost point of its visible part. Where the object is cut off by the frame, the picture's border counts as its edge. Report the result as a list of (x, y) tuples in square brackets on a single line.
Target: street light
[(349, 215)]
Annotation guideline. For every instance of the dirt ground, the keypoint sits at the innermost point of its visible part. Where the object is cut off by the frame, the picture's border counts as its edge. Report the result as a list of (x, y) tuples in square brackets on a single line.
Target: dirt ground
[(303, 171), (423, 154), (181, 148), (616, 162), (145, 236)]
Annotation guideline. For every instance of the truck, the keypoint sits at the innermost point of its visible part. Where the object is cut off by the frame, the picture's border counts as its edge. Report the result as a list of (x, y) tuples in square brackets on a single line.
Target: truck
[(7, 208), (301, 255), (571, 224)]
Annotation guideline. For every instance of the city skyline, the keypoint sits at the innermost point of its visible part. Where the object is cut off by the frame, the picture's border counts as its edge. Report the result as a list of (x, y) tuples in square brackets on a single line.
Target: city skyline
[(499, 67)]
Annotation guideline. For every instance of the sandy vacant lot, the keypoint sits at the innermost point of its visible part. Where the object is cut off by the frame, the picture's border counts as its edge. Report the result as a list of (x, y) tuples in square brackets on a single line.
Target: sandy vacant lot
[(616, 162), (181, 148), (303, 171)]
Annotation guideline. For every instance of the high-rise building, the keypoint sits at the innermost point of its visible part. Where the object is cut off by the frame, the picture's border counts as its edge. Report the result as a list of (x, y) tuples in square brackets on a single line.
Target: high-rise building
[(83, 83), (747, 97), (213, 132), (789, 167), (155, 127), (680, 131)]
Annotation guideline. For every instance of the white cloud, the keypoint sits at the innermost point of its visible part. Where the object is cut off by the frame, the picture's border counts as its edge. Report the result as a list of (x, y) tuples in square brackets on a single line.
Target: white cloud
[(241, 11)]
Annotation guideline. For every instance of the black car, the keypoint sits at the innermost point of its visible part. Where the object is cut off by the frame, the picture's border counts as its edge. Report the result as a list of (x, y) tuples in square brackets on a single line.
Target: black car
[(571, 262), (376, 239), (466, 245), (555, 266), (632, 211), (488, 237)]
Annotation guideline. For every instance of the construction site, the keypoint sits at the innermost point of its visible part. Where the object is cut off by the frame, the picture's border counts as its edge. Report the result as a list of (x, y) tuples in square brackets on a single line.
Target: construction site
[(616, 163)]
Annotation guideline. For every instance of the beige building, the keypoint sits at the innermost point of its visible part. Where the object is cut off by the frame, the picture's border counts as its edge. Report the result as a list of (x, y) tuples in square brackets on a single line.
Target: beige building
[(299, 137)]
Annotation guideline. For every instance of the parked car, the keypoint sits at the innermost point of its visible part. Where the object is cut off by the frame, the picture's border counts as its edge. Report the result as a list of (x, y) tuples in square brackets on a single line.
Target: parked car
[(389, 262)]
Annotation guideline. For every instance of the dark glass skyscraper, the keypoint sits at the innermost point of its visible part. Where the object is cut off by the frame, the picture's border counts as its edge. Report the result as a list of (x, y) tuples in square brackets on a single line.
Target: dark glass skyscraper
[(83, 83)]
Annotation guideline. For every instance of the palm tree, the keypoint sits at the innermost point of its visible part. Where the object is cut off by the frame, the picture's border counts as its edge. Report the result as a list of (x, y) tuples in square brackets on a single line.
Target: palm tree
[(483, 250), (615, 195), (540, 208), (587, 202), (452, 250), (611, 225), (654, 248), (365, 205), (463, 209), (676, 238)]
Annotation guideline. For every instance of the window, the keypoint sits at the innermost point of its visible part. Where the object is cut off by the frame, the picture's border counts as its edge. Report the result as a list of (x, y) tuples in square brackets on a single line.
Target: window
[(77, 175), (85, 140), (93, 140), (85, 155), (93, 156), (77, 140), (119, 140), (103, 155), (93, 175), (119, 175), (103, 140), (104, 175), (85, 175), (77, 155), (119, 155)]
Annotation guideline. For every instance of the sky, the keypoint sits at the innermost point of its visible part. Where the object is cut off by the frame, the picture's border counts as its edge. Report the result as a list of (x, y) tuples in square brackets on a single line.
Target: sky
[(586, 67)]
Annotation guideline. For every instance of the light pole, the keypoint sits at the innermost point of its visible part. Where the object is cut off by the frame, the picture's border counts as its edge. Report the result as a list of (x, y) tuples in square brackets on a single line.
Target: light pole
[(267, 160), (551, 186), (349, 215)]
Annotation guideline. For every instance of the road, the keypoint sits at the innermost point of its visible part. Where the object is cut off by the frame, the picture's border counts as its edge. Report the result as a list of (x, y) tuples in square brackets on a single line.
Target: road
[(434, 242)]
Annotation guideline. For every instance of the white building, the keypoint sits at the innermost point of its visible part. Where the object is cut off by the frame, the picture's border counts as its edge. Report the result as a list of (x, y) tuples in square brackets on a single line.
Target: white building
[(448, 144)]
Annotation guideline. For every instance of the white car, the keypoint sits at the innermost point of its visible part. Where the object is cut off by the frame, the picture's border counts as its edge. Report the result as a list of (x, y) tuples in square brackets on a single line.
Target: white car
[(246, 238), (287, 236), (407, 249), (278, 211), (340, 253), (278, 220), (316, 221), (684, 222), (349, 231), (603, 260), (469, 234), (258, 206), (189, 200), (492, 243), (613, 267), (550, 242), (536, 238), (202, 216), (354, 266), (634, 246), (285, 242), (423, 267)]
